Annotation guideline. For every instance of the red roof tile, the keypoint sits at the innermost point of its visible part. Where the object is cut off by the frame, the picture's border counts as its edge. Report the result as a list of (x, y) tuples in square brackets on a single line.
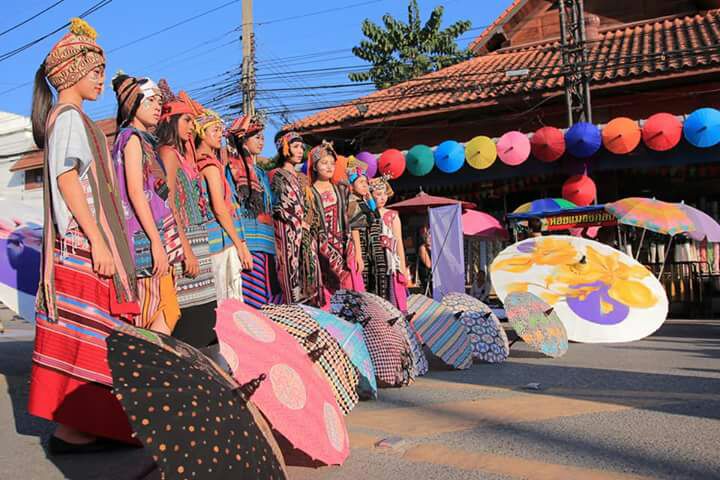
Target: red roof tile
[(645, 51)]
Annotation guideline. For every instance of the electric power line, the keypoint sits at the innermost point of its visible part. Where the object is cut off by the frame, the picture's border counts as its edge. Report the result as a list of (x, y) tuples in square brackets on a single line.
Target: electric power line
[(33, 17)]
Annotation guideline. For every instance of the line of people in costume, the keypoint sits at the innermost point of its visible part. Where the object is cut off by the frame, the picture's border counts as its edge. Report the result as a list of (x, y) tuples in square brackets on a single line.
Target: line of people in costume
[(176, 217)]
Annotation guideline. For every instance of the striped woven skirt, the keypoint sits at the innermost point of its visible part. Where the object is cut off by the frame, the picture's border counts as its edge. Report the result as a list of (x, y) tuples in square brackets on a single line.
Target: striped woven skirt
[(70, 379), (258, 284), (201, 289)]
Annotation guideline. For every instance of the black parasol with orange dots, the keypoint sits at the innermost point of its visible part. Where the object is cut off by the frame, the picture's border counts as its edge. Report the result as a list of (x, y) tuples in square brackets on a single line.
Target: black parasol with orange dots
[(196, 421)]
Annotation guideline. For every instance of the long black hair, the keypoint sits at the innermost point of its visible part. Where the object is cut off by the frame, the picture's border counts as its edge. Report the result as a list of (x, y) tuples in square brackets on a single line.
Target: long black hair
[(42, 103), (167, 134)]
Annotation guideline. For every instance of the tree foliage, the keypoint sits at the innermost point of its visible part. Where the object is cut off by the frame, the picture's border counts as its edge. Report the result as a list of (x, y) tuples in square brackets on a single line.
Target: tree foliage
[(402, 51)]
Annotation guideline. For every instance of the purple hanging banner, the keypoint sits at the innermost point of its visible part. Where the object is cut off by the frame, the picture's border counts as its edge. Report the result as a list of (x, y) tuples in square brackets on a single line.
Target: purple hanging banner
[(448, 258)]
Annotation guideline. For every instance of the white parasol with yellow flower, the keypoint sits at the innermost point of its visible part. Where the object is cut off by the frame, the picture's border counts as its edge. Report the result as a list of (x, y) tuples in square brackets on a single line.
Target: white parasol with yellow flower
[(600, 294)]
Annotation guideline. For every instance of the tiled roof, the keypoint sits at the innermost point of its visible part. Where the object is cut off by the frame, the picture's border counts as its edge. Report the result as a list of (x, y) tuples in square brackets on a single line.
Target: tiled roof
[(505, 16), (643, 51), (34, 159)]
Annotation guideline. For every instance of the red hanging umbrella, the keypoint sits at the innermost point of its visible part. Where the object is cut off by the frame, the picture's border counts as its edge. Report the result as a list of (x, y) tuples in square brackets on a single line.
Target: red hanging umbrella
[(422, 201), (548, 144), (662, 132)]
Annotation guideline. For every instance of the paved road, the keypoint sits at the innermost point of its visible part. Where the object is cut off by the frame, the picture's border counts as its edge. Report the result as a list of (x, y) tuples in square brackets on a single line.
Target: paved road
[(650, 409)]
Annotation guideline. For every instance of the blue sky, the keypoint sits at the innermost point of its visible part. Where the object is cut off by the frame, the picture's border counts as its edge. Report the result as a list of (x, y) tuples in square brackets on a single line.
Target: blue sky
[(298, 44)]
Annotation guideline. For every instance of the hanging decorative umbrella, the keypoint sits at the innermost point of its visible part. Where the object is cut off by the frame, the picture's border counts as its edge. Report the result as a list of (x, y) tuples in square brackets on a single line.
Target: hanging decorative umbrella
[(621, 135), (536, 323), (391, 163), (440, 331), (322, 348), (702, 127), (420, 160), (449, 156), (548, 144), (488, 338), (350, 337), (380, 308), (658, 216), (599, 293), (545, 205), (662, 132), (196, 421), (422, 201), (388, 347), (580, 190), (583, 140), (341, 166), (480, 224), (370, 160), (704, 226), (296, 398), (480, 152), (513, 148)]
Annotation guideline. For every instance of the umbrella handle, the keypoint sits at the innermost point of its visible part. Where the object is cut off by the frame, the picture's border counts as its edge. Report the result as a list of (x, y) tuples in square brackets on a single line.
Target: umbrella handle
[(667, 252), (249, 388)]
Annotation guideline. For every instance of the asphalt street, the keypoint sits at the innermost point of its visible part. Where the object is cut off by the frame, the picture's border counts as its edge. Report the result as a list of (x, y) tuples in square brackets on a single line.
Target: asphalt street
[(648, 409)]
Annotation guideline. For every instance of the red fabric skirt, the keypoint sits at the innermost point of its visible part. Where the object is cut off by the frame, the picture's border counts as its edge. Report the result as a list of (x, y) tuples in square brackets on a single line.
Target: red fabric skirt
[(70, 381)]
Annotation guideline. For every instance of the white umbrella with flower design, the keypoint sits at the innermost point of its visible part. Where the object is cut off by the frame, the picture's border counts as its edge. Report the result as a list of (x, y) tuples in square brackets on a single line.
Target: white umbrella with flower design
[(600, 294)]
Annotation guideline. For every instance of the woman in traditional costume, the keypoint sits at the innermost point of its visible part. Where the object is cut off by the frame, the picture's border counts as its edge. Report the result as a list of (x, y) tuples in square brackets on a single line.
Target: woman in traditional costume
[(228, 249), (391, 242), (424, 263), (245, 142), (151, 228), (336, 250), (88, 284), (195, 282)]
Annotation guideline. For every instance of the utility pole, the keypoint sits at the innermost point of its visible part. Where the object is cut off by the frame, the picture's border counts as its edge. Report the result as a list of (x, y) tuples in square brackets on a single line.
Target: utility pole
[(247, 79), (575, 61)]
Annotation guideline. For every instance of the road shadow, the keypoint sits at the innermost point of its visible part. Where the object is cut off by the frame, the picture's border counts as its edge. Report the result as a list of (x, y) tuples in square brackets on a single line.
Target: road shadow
[(119, 464)]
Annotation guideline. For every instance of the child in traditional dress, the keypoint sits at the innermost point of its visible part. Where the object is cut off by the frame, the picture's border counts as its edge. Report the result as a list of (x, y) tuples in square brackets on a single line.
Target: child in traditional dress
[(392, 244), (88, 284)]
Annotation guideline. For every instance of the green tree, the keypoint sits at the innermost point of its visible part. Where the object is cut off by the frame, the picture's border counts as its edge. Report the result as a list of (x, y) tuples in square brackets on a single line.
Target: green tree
[(402, 51)]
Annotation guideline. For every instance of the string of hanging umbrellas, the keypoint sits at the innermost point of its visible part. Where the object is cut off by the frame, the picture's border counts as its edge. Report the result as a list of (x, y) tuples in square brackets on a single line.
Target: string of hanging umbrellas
[(622, 135)]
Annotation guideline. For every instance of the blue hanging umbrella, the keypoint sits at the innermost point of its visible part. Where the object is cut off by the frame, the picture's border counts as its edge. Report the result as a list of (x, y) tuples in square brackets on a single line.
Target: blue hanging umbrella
[(350, 337), (583, 140), (449, 156), (702, 127)]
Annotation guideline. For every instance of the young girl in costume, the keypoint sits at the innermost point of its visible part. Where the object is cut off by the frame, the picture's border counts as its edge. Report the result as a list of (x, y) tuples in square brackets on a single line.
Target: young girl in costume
[(88, 284), (152, 231), (297, 262), (330, 202), (245, 142), (366, 227), (195, 282), (228, 249), (395, 269)]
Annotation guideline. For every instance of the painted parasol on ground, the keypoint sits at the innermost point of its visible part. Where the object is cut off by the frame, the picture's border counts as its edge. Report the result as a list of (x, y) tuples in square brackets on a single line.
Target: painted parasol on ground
[(488, 338), (296, 398), (350, 337), (536, 323), (600, 294), (196, 421), (548, 144), (440, 331), (422, 201), (322, 348), (662, 132), (380, 308)]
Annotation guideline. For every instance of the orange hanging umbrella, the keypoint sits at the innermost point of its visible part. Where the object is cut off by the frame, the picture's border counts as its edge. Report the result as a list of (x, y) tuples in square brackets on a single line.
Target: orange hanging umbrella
[(621, 135)]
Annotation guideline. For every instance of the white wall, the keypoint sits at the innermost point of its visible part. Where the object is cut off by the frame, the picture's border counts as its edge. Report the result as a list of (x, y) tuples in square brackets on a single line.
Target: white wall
[(15, 138)]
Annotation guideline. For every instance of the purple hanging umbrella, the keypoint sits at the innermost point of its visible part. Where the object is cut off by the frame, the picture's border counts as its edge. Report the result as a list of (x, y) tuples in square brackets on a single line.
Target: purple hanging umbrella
[(706, 228)]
